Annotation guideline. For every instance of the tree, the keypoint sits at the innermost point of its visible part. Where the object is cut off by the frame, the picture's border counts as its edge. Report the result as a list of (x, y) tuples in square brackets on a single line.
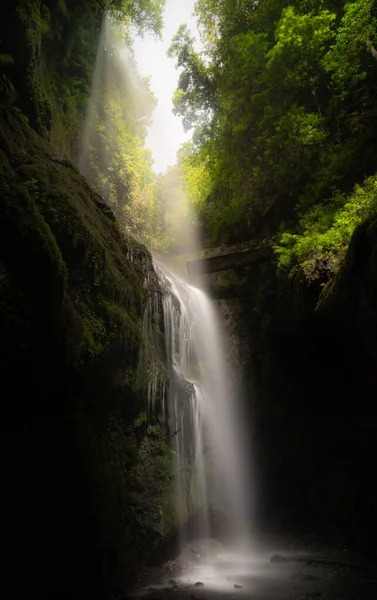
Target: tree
[(194, 97), (288, 114)]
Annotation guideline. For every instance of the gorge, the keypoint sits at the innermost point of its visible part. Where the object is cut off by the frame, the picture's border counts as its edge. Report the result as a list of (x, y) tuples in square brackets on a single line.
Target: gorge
[(163, 435)]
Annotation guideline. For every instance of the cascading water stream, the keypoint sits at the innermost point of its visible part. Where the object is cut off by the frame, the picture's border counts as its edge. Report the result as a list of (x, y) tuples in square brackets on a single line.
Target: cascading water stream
[(210, 455), (199, 406), (189, 388)]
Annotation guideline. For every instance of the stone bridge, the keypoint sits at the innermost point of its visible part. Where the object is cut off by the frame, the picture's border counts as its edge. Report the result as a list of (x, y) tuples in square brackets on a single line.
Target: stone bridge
[(224, 262), (230, 258)]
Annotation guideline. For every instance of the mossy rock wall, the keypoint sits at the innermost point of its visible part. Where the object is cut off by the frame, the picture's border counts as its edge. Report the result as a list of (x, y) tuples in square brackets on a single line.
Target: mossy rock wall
[(313, 362), (73, 431)]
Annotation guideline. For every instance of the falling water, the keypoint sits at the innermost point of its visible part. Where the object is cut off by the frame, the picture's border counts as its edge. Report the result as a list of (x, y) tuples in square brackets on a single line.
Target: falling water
[(194, 398), (199, 404), (210, 454)]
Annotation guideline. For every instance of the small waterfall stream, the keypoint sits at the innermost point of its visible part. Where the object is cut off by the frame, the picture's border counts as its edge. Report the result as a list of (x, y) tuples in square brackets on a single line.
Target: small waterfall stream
[(210, 456)]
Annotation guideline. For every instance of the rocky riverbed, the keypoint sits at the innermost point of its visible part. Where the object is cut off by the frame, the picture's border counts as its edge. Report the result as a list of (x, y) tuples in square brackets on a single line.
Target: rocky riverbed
[(269, 569)]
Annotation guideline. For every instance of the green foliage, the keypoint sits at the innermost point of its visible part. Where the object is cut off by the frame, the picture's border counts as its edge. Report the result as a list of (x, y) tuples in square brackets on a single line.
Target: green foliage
[(65, 46), (301, 40), (140, 460), (113, 156), (325, 231), (151, 480), (347, 60), (6, 59), (130, 467), (194, 95), (71, 305), (144, 15), (105, 310), (58, 40), (141, 419), (282, 101)]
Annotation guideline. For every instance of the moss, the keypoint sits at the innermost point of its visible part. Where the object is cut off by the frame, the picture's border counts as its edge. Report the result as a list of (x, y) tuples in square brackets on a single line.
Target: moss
[(72, 223), (134, 464), (71, 305)]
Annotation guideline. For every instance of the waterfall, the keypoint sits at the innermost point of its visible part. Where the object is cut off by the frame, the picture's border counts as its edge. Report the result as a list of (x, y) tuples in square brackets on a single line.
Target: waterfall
[(205, 424), (194, 399)]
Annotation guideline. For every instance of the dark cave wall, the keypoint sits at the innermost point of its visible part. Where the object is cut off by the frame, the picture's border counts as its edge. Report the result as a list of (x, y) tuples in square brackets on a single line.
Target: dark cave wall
[(74, 390), (311, 375)]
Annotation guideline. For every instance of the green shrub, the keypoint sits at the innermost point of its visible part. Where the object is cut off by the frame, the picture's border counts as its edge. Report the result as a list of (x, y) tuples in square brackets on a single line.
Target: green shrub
[(324, 232)]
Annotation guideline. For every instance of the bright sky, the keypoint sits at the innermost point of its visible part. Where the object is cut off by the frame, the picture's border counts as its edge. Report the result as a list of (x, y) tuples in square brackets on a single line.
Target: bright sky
[(166, 133)]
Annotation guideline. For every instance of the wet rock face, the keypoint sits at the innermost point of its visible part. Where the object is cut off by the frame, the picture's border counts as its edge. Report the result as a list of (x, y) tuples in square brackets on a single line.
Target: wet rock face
[(351, 296), (315, 450), (315, 373), (318, 418), (349, 302), (237, 349), (72, 297)]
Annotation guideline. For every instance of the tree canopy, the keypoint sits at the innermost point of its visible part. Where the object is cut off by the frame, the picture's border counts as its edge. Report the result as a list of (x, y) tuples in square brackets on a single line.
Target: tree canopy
[(51, 52), (282, 102)]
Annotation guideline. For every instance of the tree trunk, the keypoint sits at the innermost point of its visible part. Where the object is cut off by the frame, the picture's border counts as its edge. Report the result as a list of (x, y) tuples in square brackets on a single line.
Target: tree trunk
[(372, 49)]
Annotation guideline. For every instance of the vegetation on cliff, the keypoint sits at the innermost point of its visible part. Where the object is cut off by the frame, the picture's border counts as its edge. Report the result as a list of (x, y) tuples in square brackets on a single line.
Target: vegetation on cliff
[(50, 55), (89, 478), (283, 104), (325, 231), (71, 312), (282, 101)]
